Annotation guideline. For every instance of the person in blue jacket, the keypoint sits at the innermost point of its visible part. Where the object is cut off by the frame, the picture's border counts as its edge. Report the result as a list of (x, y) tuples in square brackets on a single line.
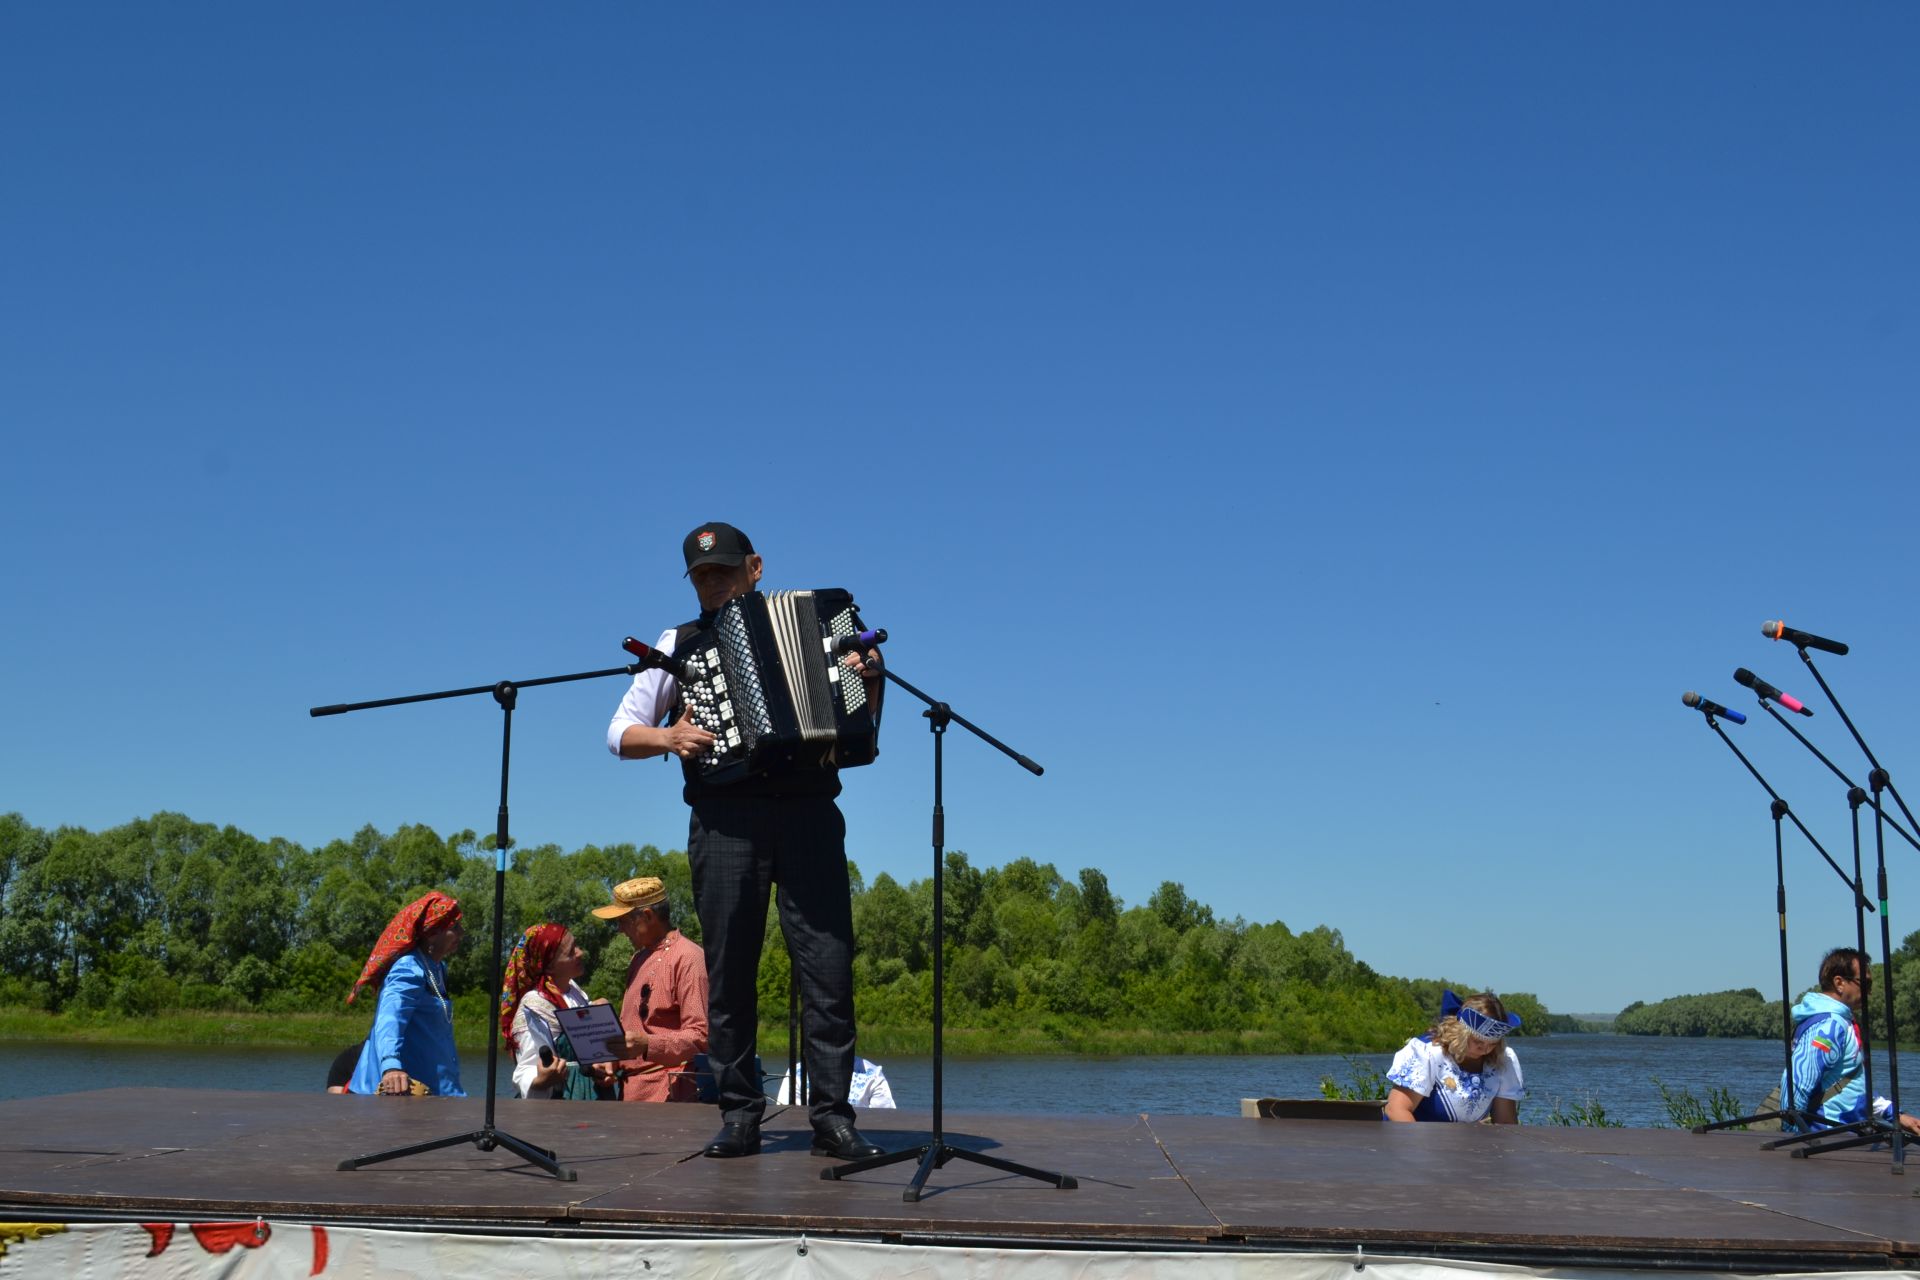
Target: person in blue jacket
[(410, 1049), (1828, 1065)]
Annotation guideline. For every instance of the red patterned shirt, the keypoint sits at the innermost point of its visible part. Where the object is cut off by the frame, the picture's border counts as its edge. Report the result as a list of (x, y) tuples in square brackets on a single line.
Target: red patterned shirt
[(667, 999)]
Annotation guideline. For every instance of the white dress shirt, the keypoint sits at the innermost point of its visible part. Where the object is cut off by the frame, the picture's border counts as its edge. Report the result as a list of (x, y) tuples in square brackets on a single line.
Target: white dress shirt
[(649, 698), (526, 1045)]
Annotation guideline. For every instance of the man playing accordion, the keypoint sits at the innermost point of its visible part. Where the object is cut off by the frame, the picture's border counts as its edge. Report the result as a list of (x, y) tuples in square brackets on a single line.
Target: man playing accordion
[(780, 826)]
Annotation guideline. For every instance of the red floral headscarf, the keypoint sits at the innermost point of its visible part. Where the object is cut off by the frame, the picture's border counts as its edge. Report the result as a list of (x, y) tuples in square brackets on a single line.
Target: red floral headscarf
[(527, 967), (405, 929)]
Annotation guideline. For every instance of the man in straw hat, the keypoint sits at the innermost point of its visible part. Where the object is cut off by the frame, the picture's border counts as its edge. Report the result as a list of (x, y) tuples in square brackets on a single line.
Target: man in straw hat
[(743, 838), (664, 1009)]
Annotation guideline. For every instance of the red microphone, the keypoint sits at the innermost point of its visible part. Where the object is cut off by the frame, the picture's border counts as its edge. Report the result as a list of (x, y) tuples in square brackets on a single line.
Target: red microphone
[(652, 657)]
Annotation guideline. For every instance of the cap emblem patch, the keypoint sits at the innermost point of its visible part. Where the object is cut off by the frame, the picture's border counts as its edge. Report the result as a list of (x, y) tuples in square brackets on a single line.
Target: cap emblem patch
[(707, 539)]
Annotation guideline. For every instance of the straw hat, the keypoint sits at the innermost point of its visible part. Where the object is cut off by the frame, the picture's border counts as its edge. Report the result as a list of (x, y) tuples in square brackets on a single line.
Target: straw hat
[(631, 895)]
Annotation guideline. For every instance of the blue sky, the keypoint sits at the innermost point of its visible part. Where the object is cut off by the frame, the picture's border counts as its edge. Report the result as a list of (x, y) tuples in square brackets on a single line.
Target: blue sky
[(1329, 439)]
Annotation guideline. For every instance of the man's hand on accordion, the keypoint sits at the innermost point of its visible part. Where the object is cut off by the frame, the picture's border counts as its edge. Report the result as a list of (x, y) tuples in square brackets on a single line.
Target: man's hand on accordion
[(687, 739), (867, 666)]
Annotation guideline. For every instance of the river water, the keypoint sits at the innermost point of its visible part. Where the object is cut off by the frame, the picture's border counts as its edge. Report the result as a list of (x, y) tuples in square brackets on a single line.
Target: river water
[(1614, 1072)]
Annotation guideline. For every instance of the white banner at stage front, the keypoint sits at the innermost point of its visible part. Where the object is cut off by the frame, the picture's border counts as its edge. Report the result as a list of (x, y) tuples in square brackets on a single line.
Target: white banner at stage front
[(868, 1088), (263, 1250)]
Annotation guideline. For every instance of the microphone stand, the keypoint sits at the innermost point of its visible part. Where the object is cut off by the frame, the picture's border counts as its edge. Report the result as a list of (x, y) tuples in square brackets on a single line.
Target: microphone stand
[(1856, 797), (1879, 780), (938, 1152), (1779, 809), (799, 1085), (487, 1136)]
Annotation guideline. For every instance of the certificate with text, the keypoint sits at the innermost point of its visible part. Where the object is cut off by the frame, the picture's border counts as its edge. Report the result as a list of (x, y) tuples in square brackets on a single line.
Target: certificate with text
[(589, 1028)]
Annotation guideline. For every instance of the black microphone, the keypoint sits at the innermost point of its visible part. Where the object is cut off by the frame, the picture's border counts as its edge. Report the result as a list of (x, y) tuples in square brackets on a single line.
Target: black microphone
[(652, 657), (1765, 690), (860, 641), (1694, 700), (1781, 631)]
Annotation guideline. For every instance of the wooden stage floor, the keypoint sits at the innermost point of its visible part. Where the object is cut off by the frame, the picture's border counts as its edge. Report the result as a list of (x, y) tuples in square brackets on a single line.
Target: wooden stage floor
[(1547, 1195)]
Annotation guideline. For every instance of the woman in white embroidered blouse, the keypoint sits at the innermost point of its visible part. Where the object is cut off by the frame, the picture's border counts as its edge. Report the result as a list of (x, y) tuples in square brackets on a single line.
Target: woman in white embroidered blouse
[(1461, 1070), (541, 975)]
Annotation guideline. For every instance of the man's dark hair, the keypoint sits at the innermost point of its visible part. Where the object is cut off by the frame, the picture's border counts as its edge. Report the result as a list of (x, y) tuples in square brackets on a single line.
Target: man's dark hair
[(1843, 962), (663, 912)]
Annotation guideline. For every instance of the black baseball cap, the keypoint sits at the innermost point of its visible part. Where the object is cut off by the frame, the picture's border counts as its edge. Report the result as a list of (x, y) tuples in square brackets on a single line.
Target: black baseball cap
[(716, 543)]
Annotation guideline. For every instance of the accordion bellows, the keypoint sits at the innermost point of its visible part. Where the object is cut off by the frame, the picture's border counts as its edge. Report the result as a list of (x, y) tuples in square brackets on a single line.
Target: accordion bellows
[(764, 680)]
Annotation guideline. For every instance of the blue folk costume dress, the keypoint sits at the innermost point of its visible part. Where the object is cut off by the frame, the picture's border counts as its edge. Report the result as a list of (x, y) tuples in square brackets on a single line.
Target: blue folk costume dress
[(413, 1025), (412, 1030), (1446, 1090)]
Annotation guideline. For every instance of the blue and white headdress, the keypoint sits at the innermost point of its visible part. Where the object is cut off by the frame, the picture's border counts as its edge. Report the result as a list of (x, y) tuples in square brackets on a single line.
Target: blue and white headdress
[(1480, 1024)]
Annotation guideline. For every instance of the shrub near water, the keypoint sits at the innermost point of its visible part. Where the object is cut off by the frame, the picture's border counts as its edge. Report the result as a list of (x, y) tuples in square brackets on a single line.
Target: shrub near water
[(1686, 1111)]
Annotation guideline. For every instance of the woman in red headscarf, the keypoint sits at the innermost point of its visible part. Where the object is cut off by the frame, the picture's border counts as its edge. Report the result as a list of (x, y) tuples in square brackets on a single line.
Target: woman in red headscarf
[(410, 1049), (540, 979)]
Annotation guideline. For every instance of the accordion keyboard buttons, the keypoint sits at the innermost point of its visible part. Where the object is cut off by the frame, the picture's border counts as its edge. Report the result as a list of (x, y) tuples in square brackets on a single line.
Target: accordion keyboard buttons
[(705, 693)]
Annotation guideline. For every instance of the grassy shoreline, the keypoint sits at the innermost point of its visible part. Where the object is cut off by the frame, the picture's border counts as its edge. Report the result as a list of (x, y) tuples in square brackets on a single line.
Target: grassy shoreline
[(330, 1031)]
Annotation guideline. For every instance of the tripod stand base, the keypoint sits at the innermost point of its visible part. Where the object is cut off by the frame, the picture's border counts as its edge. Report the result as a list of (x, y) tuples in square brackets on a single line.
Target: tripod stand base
[(486, 1139), (935, 1155), (1863, 1133), (1797, 1119)]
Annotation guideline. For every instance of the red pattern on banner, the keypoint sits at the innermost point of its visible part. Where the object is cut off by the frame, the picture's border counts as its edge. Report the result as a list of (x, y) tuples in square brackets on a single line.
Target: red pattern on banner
[(220, 1237)]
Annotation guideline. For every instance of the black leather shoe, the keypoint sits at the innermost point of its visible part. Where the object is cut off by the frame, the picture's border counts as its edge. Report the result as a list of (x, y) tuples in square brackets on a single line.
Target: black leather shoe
[(736, 1138), (839, 1139)]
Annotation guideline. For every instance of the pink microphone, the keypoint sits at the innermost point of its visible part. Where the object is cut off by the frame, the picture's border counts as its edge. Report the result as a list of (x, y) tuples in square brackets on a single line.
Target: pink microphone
[(1765, 690)]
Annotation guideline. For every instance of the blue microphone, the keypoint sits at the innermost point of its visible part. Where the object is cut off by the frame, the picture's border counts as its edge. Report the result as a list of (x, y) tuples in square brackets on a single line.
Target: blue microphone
[(1699, 703), (860, 641)]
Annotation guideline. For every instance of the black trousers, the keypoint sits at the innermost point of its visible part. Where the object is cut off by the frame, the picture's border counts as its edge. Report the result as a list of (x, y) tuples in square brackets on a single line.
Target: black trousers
[(738, 849)]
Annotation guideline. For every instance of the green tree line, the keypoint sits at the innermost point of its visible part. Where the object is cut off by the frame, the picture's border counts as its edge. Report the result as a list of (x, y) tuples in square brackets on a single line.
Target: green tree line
[(1743, 1013), (167, 914), (1750, 1013)]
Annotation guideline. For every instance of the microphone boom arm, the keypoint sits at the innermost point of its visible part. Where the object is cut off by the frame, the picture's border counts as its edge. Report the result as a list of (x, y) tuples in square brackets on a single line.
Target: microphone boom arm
[(1864, 748), (1788, 811), (1818, 755)]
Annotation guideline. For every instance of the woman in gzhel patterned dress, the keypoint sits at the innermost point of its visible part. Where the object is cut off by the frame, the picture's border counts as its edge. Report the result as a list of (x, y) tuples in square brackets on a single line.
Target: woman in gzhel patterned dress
[(1461, 1069)]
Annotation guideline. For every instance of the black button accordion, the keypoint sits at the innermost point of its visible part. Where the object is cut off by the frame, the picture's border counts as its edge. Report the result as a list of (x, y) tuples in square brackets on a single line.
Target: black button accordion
[(764, 681)]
